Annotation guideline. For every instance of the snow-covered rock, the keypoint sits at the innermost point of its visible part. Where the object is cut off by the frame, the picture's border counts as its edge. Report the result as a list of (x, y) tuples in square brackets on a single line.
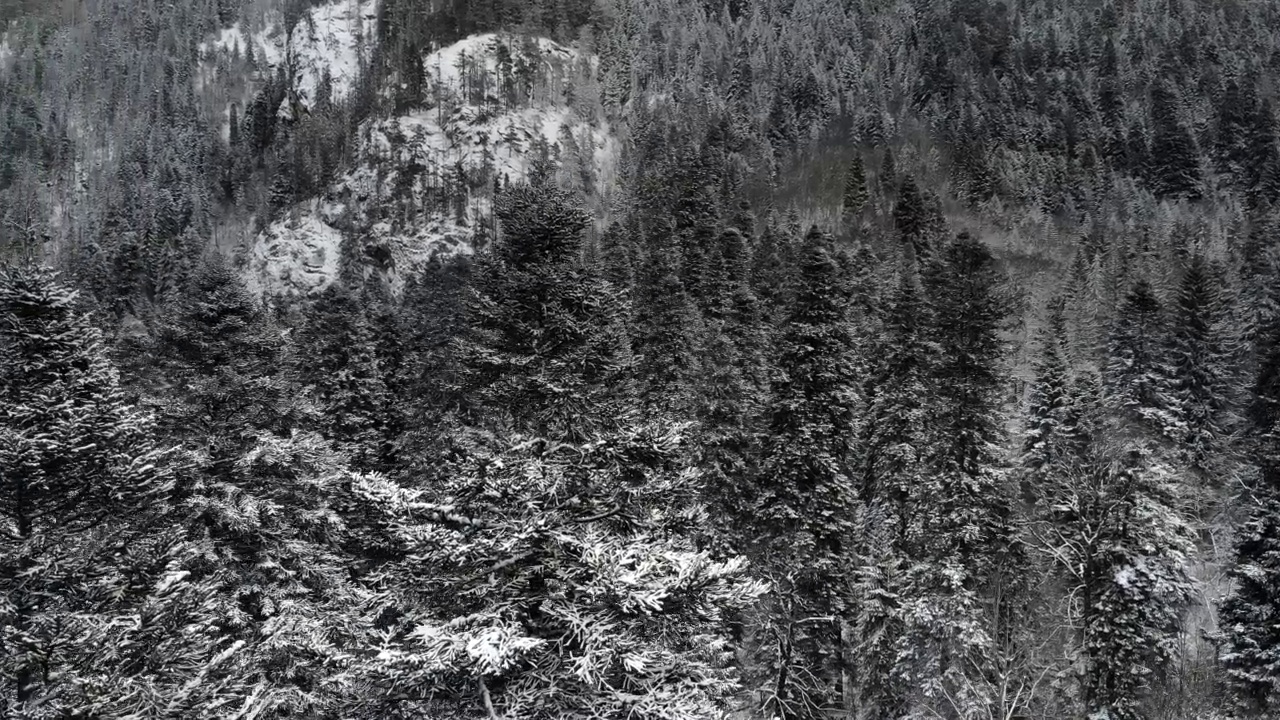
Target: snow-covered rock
[(334, 39), (299, 251), (421, 185)]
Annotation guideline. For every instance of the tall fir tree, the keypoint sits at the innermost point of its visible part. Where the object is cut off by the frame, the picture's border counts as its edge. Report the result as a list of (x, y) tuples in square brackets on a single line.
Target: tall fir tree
[(1135, 375), (1175, 160), (1201, 371), (80, 467), (855, 194), (804, 504), (1250, 639), (965, 540), (546, 345)]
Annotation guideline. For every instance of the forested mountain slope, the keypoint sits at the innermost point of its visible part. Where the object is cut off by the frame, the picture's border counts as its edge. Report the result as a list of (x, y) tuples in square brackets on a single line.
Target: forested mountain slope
[(639, 359)]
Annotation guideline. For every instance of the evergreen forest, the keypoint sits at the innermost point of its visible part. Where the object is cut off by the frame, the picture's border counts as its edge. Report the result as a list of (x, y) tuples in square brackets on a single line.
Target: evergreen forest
[(640, 359)]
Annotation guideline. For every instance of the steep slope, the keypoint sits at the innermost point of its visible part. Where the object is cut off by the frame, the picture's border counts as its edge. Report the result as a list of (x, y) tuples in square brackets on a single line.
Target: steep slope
[(495, 109)]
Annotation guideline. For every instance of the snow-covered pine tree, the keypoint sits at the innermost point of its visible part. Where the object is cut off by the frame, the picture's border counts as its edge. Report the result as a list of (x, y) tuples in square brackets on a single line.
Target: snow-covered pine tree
[(1175, 160), (895, 436), (855, 187), (1135, 375), (546, 346), (262, 507), (965, 537), (558, 579), (85, 546), (338, 359), (911, 217), (1047, 434), (1250, 640), (1201, 371), (804, 502)]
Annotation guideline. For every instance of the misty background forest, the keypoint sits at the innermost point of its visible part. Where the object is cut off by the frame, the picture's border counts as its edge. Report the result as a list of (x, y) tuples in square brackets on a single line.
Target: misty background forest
[(640, 359)]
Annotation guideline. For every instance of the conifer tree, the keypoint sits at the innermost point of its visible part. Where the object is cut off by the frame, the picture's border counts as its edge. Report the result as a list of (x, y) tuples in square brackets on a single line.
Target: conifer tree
[(1175, 170), (1262, 166), (1048, 427), (546, 346), (1250, 642), (804, 505), (82, 473), (338, 358), (1236, 114), (911, 217), (262, 505), (895, 438), (855, 187), (1200, 369), (965, 539), (1134, 378), (968, 307), (554, 580)]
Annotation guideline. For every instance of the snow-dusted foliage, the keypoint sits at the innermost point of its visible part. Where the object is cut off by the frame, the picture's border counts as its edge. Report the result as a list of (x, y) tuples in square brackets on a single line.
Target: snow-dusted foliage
[(553, 580)]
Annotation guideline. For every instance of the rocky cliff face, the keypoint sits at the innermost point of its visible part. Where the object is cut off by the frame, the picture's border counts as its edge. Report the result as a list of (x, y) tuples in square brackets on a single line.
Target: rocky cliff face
[(492, 109)]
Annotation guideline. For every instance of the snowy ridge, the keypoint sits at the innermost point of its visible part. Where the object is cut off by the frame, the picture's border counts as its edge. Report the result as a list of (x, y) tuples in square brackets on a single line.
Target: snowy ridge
[(421, 184)]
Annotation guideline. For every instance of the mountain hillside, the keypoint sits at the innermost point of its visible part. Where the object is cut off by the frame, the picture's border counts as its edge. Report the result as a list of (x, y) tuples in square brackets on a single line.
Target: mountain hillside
[(640, 359), (420, 185)]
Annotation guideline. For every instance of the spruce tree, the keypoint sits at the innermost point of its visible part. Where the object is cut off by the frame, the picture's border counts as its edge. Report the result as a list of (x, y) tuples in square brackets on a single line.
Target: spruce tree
[(1135, 374), (896, 435), (1237, 111), (855, 187), (545, 347), (911, 217), (804, 504), (262, 507), (1175, 169), (1200, 368), (338, 359), (88, 552), (1047, 433), (553, 580), (1250, 642), (965, 540)]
